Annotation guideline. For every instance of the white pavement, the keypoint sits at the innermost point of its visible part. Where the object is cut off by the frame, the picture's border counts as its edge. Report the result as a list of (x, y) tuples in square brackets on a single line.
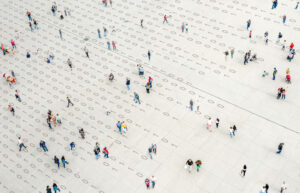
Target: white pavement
[(184, 66)]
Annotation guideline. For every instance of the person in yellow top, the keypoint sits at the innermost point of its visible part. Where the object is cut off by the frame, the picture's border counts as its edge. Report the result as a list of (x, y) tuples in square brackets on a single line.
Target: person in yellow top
[(124, 127), (287, 71)]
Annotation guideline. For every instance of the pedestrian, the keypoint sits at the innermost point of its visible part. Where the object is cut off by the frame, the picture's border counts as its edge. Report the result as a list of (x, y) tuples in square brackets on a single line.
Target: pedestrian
[(17, 96), (230, 132), (280, 147), (30, 25), (234, 130), (217, 122), (53, 10), (153, 182), (147, 87), (283, 94), (263, 190), (82, 133), (248, 24), (142, 23), (250, 34), (63, 161), (11, 109), (267, 188), (165, 19), (182, 27), (119, 126), (106, 153), (58, 119), (35, 24), (72, 145), (114, 45), (108, 45), (43, 145), (27, 55), (292, 46), (60, 34), (149, 55), (209, 123), (110, 2), (274, 4), (137, 98), (56, 161), (150, 152), (297, 5), (274, 73), (150, 80), (3, 49), (243, 171), (86, 51), (97, 151), (231, 53), (69, 62), (191, 104), (21, 144), (283, 187), (104, 31), (284, 19), (69, 102), (65, 11), (48, 189), (124, 127), (186, 28), (189, 165), (283, 45), (49, 122), (279, 37), (55, 188), (13, 44), (147, 182), (29, 15), (287, 71), (111, 77), (226, 54), (128, 83), (61, 16), (266, 37), (198, 164), (154, 148), (99, 33)]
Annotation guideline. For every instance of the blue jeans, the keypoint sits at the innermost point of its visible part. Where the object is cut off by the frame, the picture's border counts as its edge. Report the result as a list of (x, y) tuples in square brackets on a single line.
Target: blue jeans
[(64, 163), (45, 148), (21, 145), (150, 154), (108, 47), (165, 21), (230, 134), (60, 35), (31, 29), (36, 26), (49, 125), (70, 103), (99, 35), (54, 13), (106, 155), (128, 86), (191, 107)]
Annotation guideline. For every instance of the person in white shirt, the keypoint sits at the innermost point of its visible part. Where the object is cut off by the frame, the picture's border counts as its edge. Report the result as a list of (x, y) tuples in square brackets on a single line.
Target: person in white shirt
[(153, 181), (21, 144), (209, 123), (283, 187)]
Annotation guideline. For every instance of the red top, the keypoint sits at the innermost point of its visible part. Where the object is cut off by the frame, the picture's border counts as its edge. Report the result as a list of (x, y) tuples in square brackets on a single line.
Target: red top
[(106, 150), (292, 45), (165, 17)]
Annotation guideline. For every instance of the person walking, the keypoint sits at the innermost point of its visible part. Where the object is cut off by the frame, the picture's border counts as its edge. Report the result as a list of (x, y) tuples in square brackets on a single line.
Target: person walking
[(49, 122), (234, 130), (150, 80), (248, 24), (189, 165), (147, 87), (48, 189), (280, 147), (30, 26), (137, 98), (274, 73), (119, 126), (150, 152), (217, 122), (142, 23), (69, 62), (267, 188), (17, 96), (13, 44), (82, 133), (63, 161), (208, 124), (297, 5), (72, 145), (154, 148), (165, 19), (191, 104), (58, 119), (99, 33), (283, 187), (149, 55), (182, 27), (231, 53), (128, 83), (147, 182), (21, 144), (86, 51), (56, 161), (43, 145), (28, 13), (104, 31), (106, 153), (114, 45), (11, 109), (244, 170), (60, 34), (108, 45), (69, 102), (153, 182), (284, 19), (198, 164), (250, 34), (283, 92), (35, 23), (55, 188), (231, 132)]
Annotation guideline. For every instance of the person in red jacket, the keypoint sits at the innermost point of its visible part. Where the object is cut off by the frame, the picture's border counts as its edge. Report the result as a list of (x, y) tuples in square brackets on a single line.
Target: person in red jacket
[(150, 81), (292, 46), (105, 151)]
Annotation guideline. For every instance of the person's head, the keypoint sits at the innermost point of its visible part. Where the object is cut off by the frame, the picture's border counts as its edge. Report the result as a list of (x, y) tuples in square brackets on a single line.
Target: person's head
[(209, 118)]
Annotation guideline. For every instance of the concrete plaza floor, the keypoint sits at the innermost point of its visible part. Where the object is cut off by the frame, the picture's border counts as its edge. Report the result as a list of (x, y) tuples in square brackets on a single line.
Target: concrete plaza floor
[(184, 66)]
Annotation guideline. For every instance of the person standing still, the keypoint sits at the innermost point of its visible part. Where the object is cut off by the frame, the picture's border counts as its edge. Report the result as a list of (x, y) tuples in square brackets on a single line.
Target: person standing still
[(243, 171), (128, 83)]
